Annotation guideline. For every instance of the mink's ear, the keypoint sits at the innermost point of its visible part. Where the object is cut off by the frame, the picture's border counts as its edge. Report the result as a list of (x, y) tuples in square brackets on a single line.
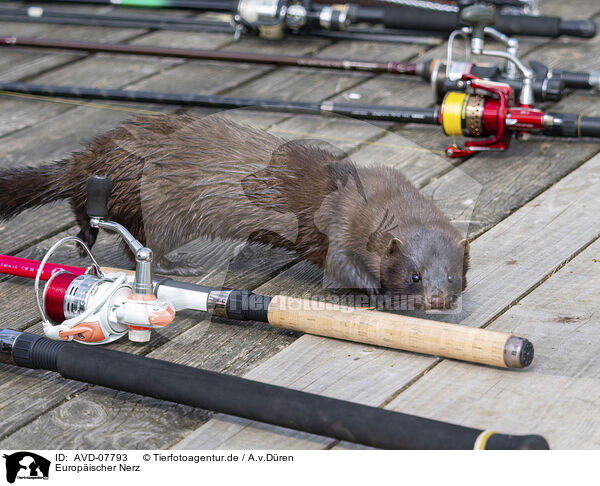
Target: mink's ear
[(395, 246)]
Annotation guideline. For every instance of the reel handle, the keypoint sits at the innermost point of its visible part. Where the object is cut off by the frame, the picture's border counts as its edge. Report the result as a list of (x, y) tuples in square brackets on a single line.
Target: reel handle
[(98, 190), (478, 17)]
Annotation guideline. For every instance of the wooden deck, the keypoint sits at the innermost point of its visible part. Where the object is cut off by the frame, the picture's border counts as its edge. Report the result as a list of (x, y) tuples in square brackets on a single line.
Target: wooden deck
[(532, 213)]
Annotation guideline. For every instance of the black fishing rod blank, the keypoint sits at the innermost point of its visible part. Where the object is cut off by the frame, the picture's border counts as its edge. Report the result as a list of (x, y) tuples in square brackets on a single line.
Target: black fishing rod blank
[(272, 17), (426, 116), (185, 24), (249, 399), (548, 84), (49, 16), (209, 5), (461, 113), (216, 55)]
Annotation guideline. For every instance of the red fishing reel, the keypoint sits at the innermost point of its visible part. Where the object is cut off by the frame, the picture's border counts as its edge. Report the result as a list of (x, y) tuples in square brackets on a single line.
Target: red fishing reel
[(485, 110), (97, 308)]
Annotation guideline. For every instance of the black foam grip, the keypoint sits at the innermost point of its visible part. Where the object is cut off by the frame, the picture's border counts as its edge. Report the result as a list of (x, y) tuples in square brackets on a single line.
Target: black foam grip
[(410, 17), (575, 80), (246, 306), (33, 351), (413, 17), (528, 25), (589, 126), (98, 191), (271, 404), (578, 28), (505, 442)]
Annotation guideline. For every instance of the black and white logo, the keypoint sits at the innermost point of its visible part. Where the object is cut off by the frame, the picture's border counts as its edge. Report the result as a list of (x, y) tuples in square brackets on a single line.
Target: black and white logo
[(26, 465)]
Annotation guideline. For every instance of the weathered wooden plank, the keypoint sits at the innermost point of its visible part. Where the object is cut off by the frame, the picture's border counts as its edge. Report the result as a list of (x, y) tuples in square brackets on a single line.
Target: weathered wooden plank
[(58, 131), (61, 135), (18, 64), (262, 270), (298, 84), (18, 311), (105, 71), (510, 179), (216, 345), (292, 45), (380, 51), (125, 70), (508, 261), (338, 135), (585, 9), (558, 396), (17, 400), (17, 306)]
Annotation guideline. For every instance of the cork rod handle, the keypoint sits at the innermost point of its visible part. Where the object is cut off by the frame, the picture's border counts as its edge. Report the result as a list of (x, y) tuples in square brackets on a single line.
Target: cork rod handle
[(390, 330)]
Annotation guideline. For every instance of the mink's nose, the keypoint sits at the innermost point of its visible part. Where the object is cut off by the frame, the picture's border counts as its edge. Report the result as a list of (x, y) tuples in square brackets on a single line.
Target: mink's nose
[(436, 302)]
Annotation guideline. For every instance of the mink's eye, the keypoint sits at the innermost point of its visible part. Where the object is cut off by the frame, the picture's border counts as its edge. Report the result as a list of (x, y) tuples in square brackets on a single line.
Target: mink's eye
[(450, 278), (416, 277)]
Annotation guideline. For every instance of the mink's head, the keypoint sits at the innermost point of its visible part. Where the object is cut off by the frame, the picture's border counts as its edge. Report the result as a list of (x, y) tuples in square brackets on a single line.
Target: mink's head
[(426, 265)]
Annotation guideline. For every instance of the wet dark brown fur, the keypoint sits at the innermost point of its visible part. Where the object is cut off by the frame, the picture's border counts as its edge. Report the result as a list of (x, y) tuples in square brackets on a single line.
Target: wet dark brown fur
[(178, 177)]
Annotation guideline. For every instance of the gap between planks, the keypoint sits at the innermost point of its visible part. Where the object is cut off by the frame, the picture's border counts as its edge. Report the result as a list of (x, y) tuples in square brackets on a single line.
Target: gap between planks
[(570, 203)]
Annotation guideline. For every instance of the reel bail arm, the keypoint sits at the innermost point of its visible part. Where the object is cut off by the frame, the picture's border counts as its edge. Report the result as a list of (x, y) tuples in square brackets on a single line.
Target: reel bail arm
[(481, 19)]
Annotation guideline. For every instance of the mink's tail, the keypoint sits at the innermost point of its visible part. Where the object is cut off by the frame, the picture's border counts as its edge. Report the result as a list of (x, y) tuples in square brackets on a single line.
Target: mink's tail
[(28, 187)]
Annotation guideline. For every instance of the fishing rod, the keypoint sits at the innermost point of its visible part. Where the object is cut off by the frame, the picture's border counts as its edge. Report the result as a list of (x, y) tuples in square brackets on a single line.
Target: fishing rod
[(534, 83), (271, 18), (482, 110), (401, 17), (548, 84), (43, 15), (514, 7), (209, 5), (253, 400), (50, 16), (215, 55), (228, 5), (100, 305)]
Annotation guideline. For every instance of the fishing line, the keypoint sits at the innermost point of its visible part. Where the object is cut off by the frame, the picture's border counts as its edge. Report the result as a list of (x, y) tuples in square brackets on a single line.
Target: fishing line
[(88, 104)]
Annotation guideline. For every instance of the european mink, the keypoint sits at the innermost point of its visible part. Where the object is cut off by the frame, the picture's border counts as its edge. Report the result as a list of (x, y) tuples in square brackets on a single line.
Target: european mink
[(177, 177)]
